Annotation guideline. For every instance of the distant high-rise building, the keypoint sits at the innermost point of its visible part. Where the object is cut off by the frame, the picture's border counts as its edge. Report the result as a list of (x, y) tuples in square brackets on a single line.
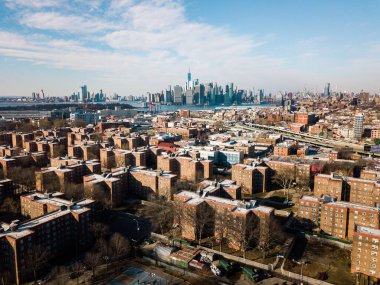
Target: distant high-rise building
[(261, 95), (326, 91), (177, 94), (189, 96), (231, 93), (358, 125), (168, 95), (84, 93)]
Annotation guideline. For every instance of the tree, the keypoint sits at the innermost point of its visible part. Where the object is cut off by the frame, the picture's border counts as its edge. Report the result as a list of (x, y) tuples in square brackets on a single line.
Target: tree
[(99, 231), (78, 124), (221, 226), (284, 177), (60, 123), (160, 213), (205, 218), (45, 124), (74, 191), (303, 183), (120, 246), (376, 141), (219, 124), (270, 235), (178, 216), (101, 195), (24, 177), (243, 231), (59, 275), (36, 259), (11, 205), (93, 259), (76, 270)]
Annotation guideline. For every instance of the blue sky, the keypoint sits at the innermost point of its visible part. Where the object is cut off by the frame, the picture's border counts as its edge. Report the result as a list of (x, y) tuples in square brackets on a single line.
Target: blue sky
[(137, 46)]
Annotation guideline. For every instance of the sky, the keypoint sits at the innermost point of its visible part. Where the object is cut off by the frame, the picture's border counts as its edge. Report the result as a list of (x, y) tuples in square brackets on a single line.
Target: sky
[(131, 47)]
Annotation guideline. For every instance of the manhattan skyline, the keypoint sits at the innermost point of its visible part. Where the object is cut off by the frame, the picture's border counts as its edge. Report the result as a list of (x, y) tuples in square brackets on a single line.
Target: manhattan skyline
[(134, 47)]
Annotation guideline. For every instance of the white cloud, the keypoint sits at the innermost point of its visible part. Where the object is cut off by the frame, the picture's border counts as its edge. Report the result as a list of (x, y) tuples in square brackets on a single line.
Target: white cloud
[(36, 4), (67, 23), (139, 46)]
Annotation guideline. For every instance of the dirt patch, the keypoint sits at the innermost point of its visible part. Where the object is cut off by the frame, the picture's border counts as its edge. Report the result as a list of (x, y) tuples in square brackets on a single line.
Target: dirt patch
[(325, 260)]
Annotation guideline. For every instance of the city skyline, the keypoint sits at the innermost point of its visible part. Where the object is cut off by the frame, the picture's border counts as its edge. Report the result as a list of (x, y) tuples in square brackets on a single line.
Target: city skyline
[(134, 47)]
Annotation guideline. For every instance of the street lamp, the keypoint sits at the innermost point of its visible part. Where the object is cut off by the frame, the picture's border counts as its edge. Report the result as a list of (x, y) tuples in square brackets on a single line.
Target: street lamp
[(137, 223), (302, 262)]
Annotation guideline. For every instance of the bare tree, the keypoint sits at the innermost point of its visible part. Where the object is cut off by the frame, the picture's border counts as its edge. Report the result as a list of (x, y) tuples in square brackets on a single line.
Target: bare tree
[(59, 275), (221, 226), (120, 246), (271, 235), (78, 124), (178, 217), (74, 191), (99, 230), (60, 123), (36, 259), (161, 214), (205, 218), (93, 259), (303, 183), (24, 177), (76, 270), (284, 177), (10, 205), (243, 231)]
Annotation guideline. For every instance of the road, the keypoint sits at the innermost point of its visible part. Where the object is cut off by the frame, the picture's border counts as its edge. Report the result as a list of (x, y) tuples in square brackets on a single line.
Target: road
[(319, 141), (131, 226)]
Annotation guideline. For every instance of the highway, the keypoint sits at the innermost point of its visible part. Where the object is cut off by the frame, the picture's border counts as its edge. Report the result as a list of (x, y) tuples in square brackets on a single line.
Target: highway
[(304, 137)]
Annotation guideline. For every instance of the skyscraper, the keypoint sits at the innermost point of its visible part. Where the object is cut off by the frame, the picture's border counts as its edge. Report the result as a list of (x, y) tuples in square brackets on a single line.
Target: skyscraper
[(189, 84), (326, 91), (189, 97), (84, 93), (358, 125), (177, 94), (231, 93)]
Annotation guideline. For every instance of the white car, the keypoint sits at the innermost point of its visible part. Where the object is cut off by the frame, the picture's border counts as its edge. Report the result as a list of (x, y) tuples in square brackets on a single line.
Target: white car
[(215, 270)]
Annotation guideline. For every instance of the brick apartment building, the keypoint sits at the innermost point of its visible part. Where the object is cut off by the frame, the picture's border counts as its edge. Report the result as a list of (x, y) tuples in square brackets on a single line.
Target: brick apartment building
[(370, 174), (63, 173), (304, 118), (301, 171), (147, 184), (110, 157), (37, 204), (138, 181), (354, 190), (84, 150), (337, 219), (185, 167), (54, 233), (285, 149), (240, 216), (33, 159), (225, 189), (186, 133), (252, 179), (365, 255)]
